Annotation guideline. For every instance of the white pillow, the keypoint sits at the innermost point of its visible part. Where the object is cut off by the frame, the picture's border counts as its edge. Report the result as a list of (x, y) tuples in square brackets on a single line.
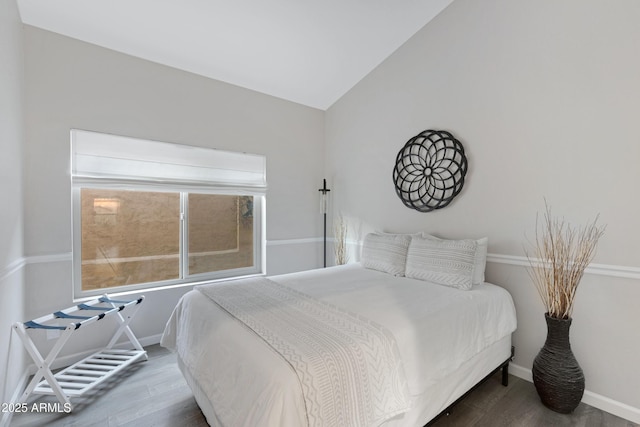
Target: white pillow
[(480, 259), (386, 252), (445, 262)]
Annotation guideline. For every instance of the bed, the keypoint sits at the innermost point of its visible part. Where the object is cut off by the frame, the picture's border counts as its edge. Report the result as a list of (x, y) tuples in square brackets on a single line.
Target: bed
[(437, 340)]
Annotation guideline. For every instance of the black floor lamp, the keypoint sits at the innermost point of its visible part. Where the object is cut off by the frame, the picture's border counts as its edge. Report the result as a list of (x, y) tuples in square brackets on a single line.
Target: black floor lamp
[(323, 209)]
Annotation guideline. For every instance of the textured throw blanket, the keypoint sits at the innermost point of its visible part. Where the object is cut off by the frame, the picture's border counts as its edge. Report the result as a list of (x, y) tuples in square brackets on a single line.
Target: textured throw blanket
[(348, 367)]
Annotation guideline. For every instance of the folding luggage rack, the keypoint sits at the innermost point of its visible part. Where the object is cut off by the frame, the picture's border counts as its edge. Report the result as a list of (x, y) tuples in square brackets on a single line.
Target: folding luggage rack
[(91, 371)]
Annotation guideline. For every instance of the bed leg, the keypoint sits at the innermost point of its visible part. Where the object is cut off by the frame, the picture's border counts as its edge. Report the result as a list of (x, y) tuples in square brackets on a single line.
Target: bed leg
[(505, 368), (505, 374)]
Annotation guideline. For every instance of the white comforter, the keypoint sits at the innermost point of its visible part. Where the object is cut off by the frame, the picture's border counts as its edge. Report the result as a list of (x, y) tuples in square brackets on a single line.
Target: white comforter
[(436, 328), (349, 368)]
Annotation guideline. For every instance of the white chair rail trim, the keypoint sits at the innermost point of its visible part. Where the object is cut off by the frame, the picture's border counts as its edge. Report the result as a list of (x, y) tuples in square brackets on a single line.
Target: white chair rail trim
[(610, 270), (12, 268), (597, 269)]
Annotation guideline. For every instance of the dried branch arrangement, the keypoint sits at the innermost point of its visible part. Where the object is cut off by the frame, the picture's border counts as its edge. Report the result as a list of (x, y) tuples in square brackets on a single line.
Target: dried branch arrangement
[(340, 245), (561, 254)]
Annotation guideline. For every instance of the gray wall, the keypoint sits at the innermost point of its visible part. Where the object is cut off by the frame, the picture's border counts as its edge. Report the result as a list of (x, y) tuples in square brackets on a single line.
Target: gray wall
[(71, 84), (545, 97), (11, 240)]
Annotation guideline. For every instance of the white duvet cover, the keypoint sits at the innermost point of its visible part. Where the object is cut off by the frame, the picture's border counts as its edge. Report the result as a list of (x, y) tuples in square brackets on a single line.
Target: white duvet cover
[(438, 331)]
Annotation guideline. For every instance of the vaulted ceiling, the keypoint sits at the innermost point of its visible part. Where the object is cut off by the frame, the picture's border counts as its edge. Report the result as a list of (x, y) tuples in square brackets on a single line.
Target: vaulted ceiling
[(309, 52)]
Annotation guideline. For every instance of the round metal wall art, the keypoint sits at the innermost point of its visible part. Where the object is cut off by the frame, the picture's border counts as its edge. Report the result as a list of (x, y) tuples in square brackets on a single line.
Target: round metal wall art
[(430, 170)]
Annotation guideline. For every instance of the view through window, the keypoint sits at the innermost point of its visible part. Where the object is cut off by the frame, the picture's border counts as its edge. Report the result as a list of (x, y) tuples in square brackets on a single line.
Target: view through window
[(220, 232), (135, 237)]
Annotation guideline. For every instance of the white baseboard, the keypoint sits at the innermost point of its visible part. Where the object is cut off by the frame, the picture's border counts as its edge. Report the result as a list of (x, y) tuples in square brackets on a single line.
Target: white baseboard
[(590, 398), (152, 340), (520, 372), (62, 362), (612, 406)]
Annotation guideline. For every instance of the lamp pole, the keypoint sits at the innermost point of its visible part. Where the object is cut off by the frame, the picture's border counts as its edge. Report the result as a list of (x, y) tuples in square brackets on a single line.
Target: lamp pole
[(323, 206)]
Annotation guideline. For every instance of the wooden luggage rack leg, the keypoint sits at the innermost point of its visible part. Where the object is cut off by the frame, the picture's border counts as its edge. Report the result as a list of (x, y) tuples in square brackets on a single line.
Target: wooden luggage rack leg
[(82, 376)]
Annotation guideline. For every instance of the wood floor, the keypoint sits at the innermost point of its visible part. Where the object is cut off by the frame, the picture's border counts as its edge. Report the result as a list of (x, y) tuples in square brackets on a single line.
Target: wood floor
[(153, 393)]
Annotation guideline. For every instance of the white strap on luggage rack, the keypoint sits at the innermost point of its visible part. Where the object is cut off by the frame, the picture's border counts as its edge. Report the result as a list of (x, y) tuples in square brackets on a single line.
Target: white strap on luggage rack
[(84, 375)]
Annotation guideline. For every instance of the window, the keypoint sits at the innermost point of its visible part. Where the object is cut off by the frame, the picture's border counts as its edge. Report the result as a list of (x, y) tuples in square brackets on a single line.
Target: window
[(150, 214)]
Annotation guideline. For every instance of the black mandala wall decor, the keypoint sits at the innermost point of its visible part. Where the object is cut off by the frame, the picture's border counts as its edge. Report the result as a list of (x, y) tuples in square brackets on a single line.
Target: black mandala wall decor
[(430, 170)]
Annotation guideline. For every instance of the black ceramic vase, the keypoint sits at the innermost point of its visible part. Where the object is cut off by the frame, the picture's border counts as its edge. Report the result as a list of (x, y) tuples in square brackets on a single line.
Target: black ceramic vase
[(556, 374)]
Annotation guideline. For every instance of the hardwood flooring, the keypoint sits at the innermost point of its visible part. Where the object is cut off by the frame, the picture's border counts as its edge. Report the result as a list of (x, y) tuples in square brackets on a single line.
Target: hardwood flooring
[(153, 393)]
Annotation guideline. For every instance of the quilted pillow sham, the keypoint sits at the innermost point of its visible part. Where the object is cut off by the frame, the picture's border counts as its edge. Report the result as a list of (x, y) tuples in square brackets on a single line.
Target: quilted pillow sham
[(480, 260), (445, 262), (386, 252)]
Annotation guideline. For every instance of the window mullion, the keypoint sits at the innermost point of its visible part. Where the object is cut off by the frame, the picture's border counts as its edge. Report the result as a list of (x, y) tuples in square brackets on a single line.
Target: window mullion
[(184, 235)]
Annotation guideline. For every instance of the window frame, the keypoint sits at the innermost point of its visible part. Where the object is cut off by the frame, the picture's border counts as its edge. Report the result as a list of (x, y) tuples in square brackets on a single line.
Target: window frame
[(185, 278), (242, 187)]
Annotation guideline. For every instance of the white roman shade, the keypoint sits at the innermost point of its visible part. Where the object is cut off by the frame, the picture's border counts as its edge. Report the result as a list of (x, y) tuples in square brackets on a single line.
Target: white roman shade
[(98, 158)]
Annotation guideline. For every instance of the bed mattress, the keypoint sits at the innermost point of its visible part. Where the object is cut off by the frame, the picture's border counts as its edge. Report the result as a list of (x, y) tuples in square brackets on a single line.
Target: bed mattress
[(448, 339)]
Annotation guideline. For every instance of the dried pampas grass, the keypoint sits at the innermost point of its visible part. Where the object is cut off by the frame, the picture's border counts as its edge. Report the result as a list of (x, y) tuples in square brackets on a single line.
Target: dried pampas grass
[(561, 254), (340, 245)]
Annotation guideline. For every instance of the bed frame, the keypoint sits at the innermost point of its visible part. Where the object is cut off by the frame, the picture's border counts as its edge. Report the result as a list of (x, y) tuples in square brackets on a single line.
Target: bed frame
[(504, 366)]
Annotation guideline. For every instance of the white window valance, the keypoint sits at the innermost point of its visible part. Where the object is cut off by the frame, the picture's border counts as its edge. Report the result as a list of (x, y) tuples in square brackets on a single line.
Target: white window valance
[(99, 158)]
